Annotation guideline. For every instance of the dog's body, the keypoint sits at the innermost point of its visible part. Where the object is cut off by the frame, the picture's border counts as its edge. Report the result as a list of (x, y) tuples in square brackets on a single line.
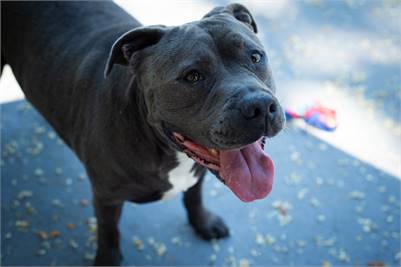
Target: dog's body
[(62, 76), (58, 50)]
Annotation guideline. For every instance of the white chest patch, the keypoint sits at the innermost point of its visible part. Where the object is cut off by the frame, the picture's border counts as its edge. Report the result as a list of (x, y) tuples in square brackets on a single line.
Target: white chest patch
[(180, 177)]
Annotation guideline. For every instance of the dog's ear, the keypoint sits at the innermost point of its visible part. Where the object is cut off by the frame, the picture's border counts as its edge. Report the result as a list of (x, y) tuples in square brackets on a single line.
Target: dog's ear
[(133, 41), (239, 12)]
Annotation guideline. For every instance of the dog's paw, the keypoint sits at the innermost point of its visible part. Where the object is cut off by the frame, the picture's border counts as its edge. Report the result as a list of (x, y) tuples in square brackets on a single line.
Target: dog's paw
[(109, 258), (208, 225)]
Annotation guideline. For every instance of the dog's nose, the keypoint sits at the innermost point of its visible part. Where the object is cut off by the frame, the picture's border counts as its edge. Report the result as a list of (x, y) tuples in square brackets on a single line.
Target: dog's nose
[(259, 108)]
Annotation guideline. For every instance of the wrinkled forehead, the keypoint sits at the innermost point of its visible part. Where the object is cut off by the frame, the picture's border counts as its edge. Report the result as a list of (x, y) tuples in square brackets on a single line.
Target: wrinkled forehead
[(225, 29), (205, 40), (182, 45), (189, 40)]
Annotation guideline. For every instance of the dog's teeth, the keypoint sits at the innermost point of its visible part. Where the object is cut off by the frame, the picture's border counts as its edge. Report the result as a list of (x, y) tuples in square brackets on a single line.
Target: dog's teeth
[(213, 151)]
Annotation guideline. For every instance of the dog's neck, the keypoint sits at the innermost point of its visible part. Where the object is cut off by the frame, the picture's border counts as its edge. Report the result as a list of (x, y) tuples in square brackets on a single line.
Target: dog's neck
[(138, 113)]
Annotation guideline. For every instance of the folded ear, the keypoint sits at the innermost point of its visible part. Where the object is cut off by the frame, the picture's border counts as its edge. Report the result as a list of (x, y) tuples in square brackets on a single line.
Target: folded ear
[(133, 41), (239, 12)]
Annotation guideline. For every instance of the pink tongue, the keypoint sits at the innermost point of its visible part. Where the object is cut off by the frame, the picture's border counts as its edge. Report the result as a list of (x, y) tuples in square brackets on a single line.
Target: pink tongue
[(248, 172)]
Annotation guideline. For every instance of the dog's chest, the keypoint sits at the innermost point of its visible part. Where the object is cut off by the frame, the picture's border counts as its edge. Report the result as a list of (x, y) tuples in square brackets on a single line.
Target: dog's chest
[(181, 178)]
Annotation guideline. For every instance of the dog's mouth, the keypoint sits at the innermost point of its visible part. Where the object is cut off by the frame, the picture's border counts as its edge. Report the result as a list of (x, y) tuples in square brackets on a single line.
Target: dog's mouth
[(248, 171)]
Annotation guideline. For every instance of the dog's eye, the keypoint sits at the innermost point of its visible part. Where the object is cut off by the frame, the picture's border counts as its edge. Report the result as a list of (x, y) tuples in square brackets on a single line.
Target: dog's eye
[(256, 57), (193, 76)]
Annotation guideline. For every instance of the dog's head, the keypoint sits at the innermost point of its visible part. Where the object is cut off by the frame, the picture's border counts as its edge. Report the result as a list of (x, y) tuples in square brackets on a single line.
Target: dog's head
[(208, 88)]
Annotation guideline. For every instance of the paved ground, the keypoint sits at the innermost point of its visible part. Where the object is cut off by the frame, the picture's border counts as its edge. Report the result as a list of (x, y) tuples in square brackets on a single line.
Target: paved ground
[(327, 206)]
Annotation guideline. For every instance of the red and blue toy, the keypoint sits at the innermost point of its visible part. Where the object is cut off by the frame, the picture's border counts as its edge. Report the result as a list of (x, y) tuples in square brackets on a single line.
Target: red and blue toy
[(318, 116)]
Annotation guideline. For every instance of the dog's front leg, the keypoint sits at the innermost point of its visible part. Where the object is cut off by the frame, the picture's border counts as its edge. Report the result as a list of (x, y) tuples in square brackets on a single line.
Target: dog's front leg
[(108, 238), (205, 223)]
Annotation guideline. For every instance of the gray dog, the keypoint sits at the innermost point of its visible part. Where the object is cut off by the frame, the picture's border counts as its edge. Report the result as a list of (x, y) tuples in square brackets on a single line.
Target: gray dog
[(148, 109)]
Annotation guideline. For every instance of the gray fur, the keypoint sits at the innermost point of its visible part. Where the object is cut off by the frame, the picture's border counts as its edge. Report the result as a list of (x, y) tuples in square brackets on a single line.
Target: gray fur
[(115, 90)]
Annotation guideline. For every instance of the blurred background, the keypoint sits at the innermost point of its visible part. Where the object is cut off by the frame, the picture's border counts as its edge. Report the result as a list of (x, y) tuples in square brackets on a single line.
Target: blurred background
[(336, 197)]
